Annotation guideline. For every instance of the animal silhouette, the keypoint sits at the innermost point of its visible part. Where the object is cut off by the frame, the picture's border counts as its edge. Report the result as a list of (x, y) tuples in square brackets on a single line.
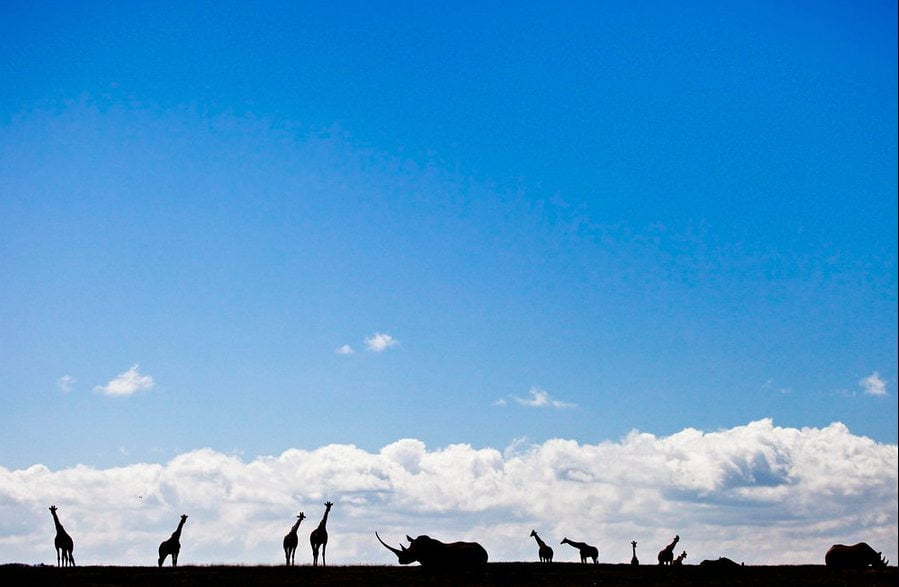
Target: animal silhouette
[(666, 555), (319, 537), (442, 556), (544, 552), (585, 550), (680, 559), (63, 543), (634, 561), (172, 546), (857, 556), (291, 541)]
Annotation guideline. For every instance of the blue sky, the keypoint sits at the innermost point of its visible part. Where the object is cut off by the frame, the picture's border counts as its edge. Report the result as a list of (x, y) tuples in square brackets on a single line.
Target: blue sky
[(548, 222)]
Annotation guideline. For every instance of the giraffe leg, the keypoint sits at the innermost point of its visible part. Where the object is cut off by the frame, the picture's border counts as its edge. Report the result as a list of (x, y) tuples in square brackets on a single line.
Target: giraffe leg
[(324, 546)]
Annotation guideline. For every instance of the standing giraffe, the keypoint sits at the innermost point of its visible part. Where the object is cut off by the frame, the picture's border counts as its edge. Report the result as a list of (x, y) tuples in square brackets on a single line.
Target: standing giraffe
[(63, 543), (680, 559), (319, 536), (291, 541), (666, 555), (586, 551), (172, 546), (634, 561), (545, 552)]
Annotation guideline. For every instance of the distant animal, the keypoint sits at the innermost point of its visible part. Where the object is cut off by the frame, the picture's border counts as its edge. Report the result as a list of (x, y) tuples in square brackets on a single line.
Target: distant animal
[(543, 551), (634, 561), (721, 565), (857, 556), (319, 536), (680, 559), (586, 551), (172, 546), (63, 543), (666, 555), (442, 556), (291, 541)]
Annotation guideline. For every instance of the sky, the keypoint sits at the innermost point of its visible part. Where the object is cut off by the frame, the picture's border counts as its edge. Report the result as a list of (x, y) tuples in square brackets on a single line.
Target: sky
[(612, 271)]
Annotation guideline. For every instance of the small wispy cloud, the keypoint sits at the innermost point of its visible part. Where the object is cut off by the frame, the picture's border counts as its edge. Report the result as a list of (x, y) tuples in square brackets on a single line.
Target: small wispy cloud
[(344, 350), (127, 383), (873, 384), (65, 383), (537, 398), (380, 342)]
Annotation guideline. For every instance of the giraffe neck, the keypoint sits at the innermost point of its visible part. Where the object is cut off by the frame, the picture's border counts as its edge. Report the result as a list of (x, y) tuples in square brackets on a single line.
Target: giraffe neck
[(177, 533), (540, 542), (59, 528), (321, 525), (295, 527)]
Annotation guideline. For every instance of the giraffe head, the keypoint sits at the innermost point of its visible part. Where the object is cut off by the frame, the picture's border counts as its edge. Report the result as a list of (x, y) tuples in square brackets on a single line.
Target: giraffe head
[(301, 517), (328, 505), (52, 509), (183, 518), (534, 533), (634, 543)]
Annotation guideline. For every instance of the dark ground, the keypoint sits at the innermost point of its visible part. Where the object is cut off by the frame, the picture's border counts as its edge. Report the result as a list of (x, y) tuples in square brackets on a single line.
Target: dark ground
[(497, 574)]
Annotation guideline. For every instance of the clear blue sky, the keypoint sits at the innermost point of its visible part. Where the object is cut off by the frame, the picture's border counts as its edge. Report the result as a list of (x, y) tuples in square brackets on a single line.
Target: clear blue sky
[(641, 215)]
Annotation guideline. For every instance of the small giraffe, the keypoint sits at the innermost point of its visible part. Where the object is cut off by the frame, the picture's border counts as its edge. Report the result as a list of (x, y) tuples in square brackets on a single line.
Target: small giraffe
[(680, 559), (634, 561), (172, 546), (544, 552), (586, 551), (319, 536), (291, 541), (63, 543), (666, 555)]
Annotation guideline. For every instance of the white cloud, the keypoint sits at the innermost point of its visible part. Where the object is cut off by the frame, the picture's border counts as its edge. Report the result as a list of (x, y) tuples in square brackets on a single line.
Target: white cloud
[(873, 384), (345, 350), (756, 493), (380, 341), (127, 383), (65, 383), (537, 398)]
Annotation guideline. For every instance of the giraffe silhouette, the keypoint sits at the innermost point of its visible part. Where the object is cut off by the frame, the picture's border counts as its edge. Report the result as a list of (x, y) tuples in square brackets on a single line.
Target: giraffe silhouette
[(586, 551), (545, 552), (291, 541), (172, 546), (319, 536), (634, 561), (679, 561), (666, 555), (63, 543)]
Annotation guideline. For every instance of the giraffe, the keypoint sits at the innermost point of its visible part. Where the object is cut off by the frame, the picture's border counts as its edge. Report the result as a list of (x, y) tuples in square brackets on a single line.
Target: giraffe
[(585, 550), (291, 541), (634, 561), (172, 546), (63, 543), (680, 559), (319, 536), (545, 552), (666, 555)]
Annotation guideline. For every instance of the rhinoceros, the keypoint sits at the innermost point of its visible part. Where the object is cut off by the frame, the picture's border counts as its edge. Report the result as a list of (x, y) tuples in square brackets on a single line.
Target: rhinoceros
[(857, 556), (436, 555)]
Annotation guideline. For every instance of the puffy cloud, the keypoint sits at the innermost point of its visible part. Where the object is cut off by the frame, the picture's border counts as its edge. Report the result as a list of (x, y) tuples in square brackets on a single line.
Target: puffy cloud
[(538, 398), (873, 384), (127, 383), (65, 383), (380, 341), (756, 493), (344, 350)]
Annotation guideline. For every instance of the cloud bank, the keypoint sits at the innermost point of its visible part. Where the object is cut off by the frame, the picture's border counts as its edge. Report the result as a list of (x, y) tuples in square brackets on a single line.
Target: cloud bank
[(756, 493)]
